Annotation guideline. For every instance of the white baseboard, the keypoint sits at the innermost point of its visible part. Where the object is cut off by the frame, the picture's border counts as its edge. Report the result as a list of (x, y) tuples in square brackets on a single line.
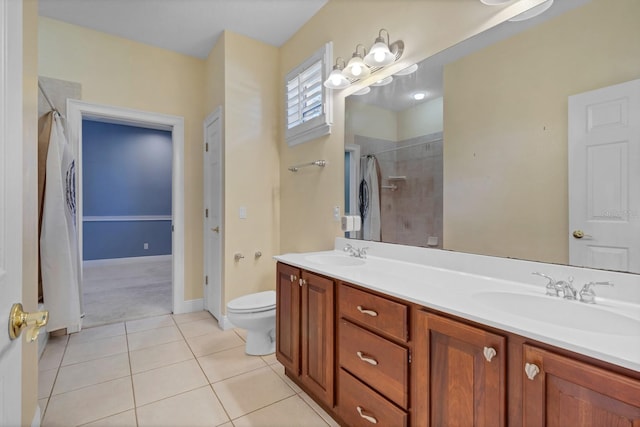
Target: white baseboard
[(129, 260), (225, 323), (189, 306)]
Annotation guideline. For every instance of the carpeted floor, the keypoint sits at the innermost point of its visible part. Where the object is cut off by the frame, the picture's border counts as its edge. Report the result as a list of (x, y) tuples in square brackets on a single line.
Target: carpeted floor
[(126, 291)]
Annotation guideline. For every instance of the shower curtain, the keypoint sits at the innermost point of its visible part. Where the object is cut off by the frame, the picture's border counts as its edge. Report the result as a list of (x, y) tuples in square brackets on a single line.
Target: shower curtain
[(370, 199), (58, 241)]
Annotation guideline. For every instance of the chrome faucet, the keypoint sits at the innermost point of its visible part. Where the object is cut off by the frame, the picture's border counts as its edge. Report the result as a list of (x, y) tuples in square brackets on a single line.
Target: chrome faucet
[(567, 289), (588, 295), (552, 290), (356, 252)]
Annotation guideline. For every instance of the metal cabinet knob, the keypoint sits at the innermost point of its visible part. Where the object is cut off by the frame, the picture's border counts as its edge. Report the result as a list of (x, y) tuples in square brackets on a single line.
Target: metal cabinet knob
[(489, 353), (531, 370)]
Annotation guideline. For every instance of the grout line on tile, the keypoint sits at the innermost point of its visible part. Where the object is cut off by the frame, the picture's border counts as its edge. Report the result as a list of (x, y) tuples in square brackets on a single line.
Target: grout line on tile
[(133, 387), (270, 404), (104, 418)]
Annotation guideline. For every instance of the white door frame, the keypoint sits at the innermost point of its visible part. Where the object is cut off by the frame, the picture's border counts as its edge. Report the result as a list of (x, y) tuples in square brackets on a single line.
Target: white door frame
[(354, 173), (11, 210), (79, 110), (222, 320)]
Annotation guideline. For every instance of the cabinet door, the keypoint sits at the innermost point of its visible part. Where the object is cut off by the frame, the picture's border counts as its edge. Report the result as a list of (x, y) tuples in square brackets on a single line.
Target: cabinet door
[(317, 310), (455, 383), (566, 392), (288, 317)]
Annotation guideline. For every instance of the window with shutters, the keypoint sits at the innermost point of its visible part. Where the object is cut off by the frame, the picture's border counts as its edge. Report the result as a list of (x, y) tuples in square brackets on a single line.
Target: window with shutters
[(308, 104)]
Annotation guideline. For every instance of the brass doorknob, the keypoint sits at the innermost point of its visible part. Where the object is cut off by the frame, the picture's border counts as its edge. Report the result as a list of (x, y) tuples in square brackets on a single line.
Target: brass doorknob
[(216, 229), (578, 234), (18, 319)]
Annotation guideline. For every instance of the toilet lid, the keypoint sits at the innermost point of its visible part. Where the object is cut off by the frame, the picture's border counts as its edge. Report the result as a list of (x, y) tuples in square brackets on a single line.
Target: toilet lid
[(260, 301)]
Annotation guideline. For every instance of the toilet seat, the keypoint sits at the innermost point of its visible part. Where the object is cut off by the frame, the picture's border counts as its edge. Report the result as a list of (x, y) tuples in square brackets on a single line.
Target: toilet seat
[(253, 303)]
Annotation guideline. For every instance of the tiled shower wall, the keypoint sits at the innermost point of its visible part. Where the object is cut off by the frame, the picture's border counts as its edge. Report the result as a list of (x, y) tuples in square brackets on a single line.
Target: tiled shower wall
[(413, 211)]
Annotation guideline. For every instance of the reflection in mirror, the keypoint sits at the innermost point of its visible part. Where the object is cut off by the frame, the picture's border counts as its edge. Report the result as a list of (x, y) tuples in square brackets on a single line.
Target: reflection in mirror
[(472, 151)]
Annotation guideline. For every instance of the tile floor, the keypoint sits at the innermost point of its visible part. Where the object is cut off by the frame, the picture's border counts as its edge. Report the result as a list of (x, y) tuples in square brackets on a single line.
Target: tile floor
[(170, 370)]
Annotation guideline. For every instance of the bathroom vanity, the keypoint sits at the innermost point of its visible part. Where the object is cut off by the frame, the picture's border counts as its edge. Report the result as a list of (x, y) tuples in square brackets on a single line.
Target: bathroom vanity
[(416, 337)]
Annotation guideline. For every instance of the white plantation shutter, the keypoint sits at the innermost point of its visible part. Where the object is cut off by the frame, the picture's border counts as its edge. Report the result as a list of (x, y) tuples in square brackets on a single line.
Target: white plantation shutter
[(308, 105)]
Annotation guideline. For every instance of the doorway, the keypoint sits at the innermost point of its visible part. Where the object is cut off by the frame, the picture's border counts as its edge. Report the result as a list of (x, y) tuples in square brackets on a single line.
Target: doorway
[(213, 221), (604, 177), (78, 111), (126, 223)]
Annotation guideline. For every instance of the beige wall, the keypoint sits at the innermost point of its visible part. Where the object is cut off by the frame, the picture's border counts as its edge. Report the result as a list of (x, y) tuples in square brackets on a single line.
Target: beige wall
[(30, 206), (123, 73), (369, 120), (423, 119), (251, 169), (426, 27), (493, 174)]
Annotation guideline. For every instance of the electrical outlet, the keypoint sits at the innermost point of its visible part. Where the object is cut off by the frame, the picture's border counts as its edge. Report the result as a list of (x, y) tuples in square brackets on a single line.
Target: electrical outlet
[(146, 246), (336, 213)]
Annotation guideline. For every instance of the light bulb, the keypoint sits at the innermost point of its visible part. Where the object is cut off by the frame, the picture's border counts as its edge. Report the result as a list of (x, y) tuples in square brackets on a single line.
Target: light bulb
[(379, 56), (356, 70), (336, 79)]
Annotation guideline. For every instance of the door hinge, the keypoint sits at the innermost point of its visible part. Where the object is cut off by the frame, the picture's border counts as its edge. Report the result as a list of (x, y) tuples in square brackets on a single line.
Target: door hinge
[(172, 229), (206, 213), (206, 146), (409, 356), (206, 280)]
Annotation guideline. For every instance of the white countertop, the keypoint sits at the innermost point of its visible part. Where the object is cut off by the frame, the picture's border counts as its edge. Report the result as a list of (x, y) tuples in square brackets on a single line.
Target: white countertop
[(464, 294)]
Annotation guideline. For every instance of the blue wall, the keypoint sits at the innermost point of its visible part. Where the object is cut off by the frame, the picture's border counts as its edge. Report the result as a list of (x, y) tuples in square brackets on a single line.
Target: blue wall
[(126, 172)]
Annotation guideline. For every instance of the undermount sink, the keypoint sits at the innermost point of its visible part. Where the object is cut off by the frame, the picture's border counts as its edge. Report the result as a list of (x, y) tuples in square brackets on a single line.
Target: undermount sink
[(561, 313), (335, 260)]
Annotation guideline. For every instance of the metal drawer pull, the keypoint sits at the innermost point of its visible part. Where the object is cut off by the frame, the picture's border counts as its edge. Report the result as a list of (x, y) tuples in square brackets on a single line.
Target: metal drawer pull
[(489, 353), (302, 282), (366, 417), (531, 370), (293, 278), (365, 311), (366, 358)]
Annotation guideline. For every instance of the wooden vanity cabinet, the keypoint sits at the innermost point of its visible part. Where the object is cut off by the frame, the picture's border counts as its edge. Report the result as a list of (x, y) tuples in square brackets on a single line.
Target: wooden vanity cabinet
[(458, 374), (305, 328), (373, 359), (559, 391), (347, 345), (288, 317)]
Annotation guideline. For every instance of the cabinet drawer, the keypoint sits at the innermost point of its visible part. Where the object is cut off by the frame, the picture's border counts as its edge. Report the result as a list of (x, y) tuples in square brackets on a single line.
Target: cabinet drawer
[(376, 361), (375, 312), (358, 405)]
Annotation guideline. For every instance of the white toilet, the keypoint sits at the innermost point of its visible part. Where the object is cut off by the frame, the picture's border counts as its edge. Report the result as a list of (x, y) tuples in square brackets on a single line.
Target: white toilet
[(257, 314)]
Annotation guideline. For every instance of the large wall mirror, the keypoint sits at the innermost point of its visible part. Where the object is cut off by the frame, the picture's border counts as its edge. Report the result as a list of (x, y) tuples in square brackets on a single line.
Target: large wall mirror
[(522, 142)]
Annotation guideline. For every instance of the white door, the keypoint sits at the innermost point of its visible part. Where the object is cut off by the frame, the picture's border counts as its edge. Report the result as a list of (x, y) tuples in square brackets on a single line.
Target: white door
[(213, 218), (10, 206), (604, 178)]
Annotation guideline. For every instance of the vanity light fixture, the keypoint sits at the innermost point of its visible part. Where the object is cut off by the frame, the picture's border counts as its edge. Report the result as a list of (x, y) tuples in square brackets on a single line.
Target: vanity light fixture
[(336, 79), (363, 63), (494, 2), (356, 68), (533, 12), (406, 71), (365, 90), (383, 82), (380, 54)]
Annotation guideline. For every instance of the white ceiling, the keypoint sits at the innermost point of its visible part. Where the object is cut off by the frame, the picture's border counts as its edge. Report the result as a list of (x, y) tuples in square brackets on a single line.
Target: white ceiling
[(186, 26)]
